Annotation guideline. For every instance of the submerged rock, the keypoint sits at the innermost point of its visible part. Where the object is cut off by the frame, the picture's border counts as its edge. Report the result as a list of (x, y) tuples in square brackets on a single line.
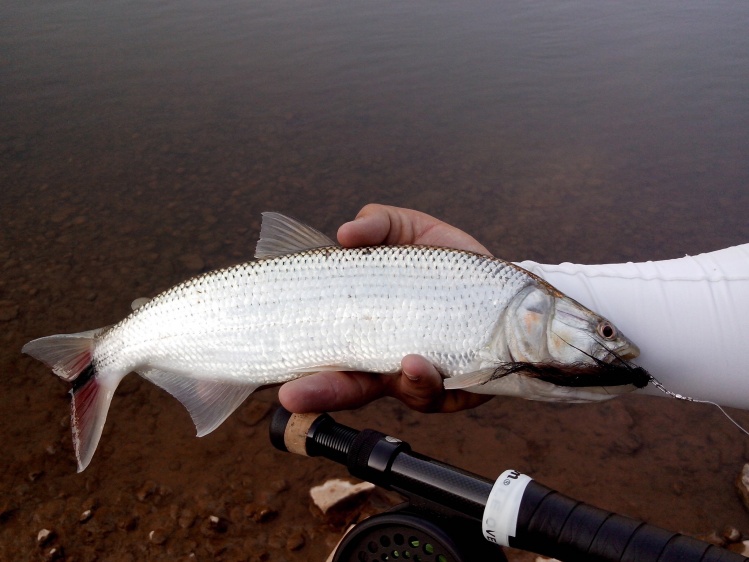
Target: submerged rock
[(742, 485), (44, 537), (336, 493)]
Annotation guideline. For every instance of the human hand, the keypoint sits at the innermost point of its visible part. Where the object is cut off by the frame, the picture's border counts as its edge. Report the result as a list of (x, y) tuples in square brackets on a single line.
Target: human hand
[(419, 384)]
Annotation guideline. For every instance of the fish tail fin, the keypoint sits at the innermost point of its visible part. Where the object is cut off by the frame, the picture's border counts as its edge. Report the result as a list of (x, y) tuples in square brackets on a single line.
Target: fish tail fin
[(69, 356)]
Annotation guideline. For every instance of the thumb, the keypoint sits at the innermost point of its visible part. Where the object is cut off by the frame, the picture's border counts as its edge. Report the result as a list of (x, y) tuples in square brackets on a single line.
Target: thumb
[(419, 386)]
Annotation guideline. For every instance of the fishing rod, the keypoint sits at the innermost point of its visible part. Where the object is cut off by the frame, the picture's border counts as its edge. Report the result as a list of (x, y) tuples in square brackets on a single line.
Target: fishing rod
[(453, 516)]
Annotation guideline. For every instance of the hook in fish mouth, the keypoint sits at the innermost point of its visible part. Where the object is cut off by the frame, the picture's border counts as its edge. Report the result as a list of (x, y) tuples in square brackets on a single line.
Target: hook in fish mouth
[(619, 372), (614, 369)]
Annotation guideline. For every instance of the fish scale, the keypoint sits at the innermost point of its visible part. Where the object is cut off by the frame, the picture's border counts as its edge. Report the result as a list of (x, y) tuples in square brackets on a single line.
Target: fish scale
[(266, 321), (309, 305)]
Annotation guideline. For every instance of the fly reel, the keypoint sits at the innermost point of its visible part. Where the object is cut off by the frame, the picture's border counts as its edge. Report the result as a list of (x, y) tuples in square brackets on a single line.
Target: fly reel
[(456, 516), (405, 534)]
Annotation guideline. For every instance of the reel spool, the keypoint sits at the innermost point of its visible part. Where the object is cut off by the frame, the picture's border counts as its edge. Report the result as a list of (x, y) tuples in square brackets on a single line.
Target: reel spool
[(405, 535), (396, 536)]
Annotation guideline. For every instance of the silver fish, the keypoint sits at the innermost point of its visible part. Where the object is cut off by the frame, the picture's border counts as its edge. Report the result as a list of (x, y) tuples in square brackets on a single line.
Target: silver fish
[(307, 305)]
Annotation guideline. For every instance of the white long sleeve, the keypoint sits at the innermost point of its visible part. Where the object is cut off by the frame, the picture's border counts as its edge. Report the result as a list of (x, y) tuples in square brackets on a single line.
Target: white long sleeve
[(689, 316)]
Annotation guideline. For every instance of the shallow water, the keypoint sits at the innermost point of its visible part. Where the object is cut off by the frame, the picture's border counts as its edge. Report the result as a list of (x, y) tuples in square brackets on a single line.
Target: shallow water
[(139, 142)]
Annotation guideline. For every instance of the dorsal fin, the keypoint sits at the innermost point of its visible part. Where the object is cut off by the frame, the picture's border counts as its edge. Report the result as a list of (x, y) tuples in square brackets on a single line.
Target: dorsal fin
[(281, 235)]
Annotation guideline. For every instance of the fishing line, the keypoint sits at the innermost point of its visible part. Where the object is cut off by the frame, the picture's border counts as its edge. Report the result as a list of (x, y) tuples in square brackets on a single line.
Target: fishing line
[(655, 382), (662, 388)]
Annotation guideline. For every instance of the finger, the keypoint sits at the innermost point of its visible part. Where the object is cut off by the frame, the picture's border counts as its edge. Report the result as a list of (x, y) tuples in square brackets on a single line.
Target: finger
[(330, 391), (383, 224), (419, 385), (370, 228)]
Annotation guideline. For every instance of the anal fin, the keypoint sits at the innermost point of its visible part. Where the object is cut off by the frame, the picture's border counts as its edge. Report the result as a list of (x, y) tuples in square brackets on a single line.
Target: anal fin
[(208, 402)]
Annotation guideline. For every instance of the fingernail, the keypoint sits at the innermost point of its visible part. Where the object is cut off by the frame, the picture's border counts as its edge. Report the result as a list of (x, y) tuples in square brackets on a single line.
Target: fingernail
[(412, 378)]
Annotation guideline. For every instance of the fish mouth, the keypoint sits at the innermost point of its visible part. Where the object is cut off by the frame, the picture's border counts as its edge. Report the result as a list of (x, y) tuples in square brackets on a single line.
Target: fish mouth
[(624, 353)]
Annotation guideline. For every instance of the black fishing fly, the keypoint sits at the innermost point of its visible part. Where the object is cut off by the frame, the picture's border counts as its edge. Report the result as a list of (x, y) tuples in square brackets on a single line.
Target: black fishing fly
[(618, 372)]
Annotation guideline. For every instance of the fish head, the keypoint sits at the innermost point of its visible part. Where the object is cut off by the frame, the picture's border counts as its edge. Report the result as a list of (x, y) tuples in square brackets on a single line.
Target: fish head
[(550, 347), (545, 326), (576, 334), (555, 349)]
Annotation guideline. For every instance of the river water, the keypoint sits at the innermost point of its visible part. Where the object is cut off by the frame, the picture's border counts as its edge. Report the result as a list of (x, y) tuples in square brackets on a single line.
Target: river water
[(140, 141)]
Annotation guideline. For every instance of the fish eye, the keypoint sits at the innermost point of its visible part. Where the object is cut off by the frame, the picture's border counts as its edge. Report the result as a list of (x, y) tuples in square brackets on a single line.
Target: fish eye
[(606, 330)]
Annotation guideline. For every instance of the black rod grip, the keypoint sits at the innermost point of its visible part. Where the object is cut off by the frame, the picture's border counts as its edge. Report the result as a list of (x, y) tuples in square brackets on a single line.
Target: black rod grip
[(555, 525), (548, 522)]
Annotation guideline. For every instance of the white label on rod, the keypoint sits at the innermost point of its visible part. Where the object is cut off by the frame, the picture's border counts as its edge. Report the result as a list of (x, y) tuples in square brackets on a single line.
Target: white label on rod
[(501, 512)]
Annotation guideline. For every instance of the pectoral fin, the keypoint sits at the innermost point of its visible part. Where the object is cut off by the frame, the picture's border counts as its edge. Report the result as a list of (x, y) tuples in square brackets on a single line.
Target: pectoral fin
[(209, 403), (468, 380)]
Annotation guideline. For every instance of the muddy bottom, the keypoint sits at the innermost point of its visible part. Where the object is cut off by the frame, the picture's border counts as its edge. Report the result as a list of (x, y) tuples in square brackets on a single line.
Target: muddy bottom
[(155, 492)]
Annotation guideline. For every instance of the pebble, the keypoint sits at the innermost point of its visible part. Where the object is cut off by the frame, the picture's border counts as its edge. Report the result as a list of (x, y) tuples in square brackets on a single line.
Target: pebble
[(278, 486), (7, 510), (36, 475), (742, 485), (296, 541), (128, 523), (741, 548), (146, 490), (54, 553), (335, 492), (85, 516), (158, 536), (732, 534), (277, 540), (259, 513), (217, 524), (186, 519), (90, 503), (713, 538), (44, 536)]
